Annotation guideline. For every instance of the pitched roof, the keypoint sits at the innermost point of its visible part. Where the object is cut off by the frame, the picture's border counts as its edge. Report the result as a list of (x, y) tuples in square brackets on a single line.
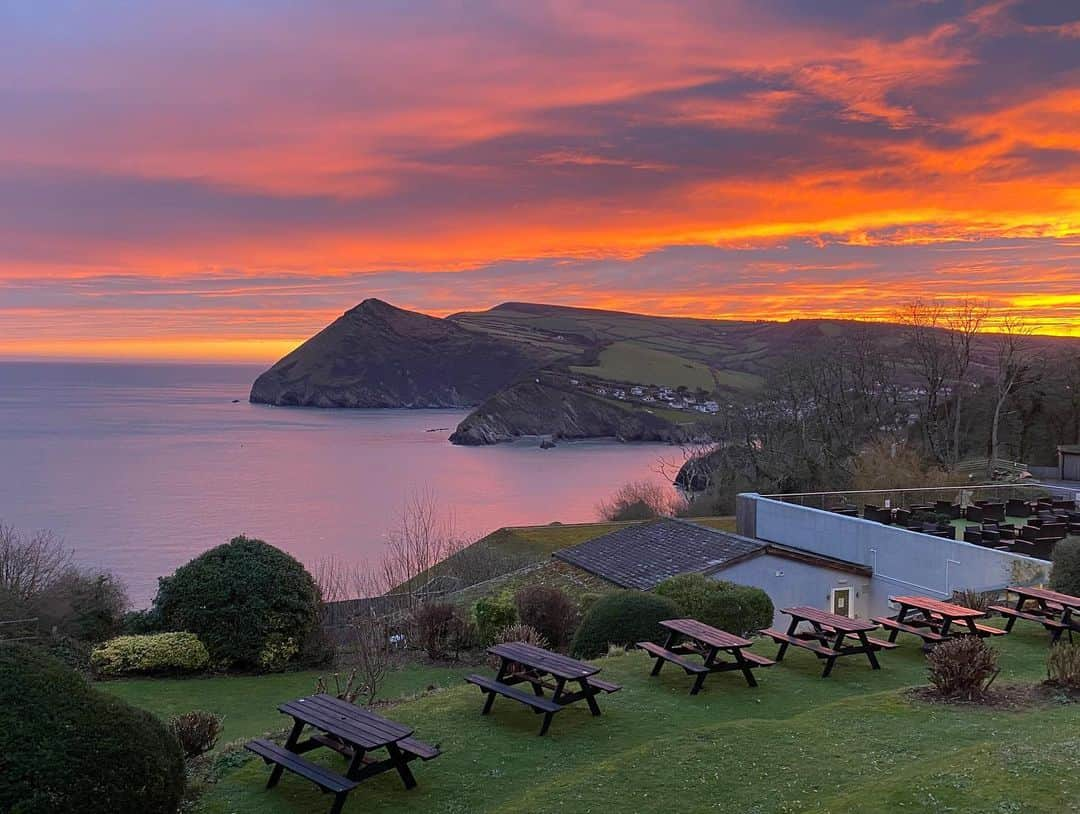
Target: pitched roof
[(642, 556)]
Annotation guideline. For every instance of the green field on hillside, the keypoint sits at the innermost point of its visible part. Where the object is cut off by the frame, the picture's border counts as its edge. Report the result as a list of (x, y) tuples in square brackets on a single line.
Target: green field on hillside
[(796, 743), (634, 362)]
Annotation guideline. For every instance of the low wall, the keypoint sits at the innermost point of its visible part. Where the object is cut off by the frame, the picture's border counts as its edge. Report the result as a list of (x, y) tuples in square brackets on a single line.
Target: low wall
[(903, 562)]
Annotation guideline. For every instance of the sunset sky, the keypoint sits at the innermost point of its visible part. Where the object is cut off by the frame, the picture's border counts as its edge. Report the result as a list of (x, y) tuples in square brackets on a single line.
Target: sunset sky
[(218, 180)]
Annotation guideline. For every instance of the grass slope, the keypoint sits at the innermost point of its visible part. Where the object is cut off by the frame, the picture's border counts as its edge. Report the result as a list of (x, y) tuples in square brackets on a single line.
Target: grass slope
[(797, 743), (634, 362)]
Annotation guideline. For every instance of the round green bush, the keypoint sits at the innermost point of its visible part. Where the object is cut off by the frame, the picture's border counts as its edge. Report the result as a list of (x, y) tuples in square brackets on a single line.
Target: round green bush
[(738, 609), (1065, 572), (247, 601), (621, 618), (155, 653), (64, 746)]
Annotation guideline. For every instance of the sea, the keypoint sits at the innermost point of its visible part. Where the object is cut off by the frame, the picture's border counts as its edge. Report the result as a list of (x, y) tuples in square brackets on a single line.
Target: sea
[(140, 467)]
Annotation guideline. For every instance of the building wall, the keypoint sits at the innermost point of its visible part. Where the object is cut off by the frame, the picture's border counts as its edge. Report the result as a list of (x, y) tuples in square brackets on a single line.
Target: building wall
[(903, 562), (1070, 466), (789, 583)]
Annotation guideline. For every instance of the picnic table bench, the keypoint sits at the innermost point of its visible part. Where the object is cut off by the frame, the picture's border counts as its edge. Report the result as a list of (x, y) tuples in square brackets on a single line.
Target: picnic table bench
[(352, 732), (520, 662), (1052, 609), (689, 637), (826, 638), (933, 620)]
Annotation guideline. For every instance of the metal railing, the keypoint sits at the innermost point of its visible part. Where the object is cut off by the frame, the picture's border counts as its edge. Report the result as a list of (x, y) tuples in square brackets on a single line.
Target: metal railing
[(920, 496)]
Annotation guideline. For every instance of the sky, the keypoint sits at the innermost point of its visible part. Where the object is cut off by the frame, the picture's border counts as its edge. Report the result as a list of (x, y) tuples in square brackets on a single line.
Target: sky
[(218, 179)]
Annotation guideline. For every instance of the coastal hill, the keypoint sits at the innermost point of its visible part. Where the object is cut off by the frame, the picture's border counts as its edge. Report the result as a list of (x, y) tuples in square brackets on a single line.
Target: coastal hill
[(557, 371), (376, 355)]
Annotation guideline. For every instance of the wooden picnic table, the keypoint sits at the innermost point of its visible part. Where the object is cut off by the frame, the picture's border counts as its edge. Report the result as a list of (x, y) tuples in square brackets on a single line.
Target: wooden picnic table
[(1052, 609), (922, 615), (687, 637), (521, 662), (349, 730), (826, 638)]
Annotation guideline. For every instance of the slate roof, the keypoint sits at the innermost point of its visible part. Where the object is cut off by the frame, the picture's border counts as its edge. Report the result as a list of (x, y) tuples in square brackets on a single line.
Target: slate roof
[(642, 556)]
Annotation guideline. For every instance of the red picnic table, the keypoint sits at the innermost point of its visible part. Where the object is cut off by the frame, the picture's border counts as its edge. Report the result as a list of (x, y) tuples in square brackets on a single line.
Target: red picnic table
[(1051, 609), (827, 635), (934, 620)]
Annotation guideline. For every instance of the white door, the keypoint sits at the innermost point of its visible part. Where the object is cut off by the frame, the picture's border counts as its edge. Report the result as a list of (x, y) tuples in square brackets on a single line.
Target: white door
[(841, 602)]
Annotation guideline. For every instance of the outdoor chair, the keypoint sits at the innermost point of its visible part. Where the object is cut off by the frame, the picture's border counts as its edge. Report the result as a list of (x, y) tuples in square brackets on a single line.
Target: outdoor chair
[(1017, 508)]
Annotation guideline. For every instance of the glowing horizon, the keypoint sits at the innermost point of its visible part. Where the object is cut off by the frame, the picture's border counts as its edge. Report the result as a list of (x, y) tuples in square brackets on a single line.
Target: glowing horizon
[(212, 182)]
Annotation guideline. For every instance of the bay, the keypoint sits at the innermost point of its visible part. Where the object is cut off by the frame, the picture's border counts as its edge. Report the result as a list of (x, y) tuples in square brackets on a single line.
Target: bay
[(141, 467)]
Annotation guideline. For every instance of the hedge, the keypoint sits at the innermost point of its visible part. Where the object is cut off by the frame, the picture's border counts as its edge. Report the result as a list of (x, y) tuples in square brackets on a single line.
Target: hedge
[(621, 618), (154, 653), (67, 747), (738, 609), (1065, 572)]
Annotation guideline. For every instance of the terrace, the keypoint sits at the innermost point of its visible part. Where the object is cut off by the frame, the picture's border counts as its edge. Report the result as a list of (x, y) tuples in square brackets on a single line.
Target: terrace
[(934, 541)]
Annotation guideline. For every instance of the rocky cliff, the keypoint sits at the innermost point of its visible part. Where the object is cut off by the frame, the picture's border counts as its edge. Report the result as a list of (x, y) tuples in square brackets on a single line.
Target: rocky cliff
[(532, 408), (376, 355)]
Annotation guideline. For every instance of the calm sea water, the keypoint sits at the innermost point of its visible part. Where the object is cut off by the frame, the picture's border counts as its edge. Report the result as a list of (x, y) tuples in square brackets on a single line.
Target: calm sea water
[(139, 468)]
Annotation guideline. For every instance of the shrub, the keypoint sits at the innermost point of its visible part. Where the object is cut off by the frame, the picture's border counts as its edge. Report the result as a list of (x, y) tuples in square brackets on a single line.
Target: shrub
[(491, 615), (1063, 665), (963, 667), (1065, 571), (72, 652), (621, 618), (196, 731), (85, 606), (67, 747), (641, 500), (155, 653), (38, 580), (976, 600), (517, 633), (439, 628), (586, 601), (277, 653), (549, 611), (239, 598), (735, 608), (141, 621)]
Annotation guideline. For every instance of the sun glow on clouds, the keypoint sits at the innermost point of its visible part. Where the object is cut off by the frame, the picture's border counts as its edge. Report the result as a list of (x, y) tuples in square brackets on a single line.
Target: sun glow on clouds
[(218, 181)]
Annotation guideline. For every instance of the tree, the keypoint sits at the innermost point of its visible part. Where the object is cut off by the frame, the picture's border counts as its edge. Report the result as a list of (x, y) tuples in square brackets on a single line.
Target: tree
[(1012, 364), (640, 500), (964, 321), (933, 359)]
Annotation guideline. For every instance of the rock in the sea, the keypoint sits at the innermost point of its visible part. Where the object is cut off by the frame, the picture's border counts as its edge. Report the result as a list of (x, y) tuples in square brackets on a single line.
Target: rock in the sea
[(531, 408), (547, 443)]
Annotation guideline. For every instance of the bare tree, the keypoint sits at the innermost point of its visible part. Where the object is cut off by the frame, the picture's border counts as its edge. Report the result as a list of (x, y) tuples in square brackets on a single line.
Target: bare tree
[(933, 359), (29, 565), (1013, 359), (641, 500), (425, 536), (964, 322), (372, 655)]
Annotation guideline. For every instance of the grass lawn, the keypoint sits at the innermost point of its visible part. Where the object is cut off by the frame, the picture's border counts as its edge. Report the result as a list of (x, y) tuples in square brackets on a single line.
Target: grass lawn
[(797, 743), (249, 704)]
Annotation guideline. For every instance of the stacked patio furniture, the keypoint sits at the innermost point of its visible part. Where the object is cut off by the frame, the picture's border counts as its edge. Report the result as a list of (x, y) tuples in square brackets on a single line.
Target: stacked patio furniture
[(877, 514), (947, 507), (1043, 528), (1017, 508)]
